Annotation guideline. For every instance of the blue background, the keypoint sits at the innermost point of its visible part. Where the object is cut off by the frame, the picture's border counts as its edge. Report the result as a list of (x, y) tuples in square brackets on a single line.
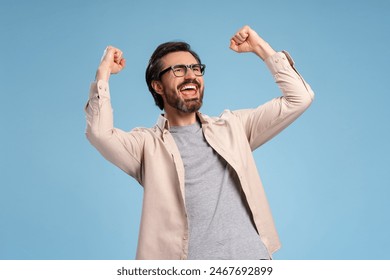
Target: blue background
[(326, 176)]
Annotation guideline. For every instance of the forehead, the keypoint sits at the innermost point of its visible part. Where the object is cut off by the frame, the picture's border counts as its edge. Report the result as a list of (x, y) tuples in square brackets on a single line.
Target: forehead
[(180, 57)]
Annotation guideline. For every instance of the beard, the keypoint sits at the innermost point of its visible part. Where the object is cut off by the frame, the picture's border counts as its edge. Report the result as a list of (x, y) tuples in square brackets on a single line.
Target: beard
[(189, 105)]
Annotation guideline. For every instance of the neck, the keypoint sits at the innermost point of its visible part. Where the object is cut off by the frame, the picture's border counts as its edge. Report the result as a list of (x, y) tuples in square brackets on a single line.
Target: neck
[(178, 118)]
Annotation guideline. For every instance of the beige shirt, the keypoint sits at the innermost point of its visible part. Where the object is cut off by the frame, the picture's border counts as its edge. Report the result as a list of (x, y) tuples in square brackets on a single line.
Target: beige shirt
[(151, 156)]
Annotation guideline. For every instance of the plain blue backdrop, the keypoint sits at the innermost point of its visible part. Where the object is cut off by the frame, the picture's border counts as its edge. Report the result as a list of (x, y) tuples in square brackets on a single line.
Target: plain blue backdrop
[(326, 176)]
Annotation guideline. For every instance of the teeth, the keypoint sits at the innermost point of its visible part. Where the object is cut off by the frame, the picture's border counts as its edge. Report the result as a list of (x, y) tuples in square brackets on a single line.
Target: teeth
[(188, 87)]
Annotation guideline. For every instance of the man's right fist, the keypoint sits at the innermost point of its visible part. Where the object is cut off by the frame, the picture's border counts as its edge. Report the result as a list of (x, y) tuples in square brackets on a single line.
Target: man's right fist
[(112, 62)]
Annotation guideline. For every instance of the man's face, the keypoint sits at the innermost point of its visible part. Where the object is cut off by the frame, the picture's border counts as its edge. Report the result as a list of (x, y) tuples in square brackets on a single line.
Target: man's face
[(182, 93)]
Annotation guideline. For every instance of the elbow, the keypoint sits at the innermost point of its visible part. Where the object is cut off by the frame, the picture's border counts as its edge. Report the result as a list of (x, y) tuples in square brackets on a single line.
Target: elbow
[(300, 102), (92, 137), (306, 98), (309, 95), (306, 95), (96, 138)]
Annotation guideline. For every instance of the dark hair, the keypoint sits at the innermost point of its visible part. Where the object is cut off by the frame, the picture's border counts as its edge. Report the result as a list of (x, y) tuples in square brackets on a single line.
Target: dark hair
[(155, 66)]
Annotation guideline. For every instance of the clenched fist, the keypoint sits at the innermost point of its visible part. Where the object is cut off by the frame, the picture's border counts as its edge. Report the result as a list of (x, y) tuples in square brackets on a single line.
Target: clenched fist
[(247, 40), (112, 62)]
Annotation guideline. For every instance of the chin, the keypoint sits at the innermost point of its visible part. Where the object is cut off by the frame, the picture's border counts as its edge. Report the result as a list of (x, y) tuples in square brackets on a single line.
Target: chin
[(194, 107)]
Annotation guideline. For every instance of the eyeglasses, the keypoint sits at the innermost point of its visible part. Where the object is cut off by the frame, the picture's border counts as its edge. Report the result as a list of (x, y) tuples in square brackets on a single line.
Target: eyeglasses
[(180, 70)]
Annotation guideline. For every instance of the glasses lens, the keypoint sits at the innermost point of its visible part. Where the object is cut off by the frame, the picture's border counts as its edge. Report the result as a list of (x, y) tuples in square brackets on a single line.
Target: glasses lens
[(179, 70), (198, 69)]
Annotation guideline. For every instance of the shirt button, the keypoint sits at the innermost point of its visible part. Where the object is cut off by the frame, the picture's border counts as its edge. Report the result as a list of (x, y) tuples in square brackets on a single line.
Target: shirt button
[(184, 237), (277, 60)]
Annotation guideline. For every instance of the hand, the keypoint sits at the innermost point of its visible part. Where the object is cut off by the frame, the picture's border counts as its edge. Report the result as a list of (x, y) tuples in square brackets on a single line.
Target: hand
[(247, 40), (112, 62)]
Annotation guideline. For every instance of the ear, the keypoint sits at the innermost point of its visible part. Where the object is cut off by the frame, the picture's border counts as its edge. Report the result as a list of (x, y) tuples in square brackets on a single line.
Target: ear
[(158, 87)]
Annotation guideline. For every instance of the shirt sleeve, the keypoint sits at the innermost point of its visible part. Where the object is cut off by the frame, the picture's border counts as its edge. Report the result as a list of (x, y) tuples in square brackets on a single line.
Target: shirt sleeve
[(124, 149), (267, 120)]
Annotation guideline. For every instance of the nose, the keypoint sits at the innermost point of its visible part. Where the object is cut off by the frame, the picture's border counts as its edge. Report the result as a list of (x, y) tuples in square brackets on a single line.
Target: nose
[(189, 74)]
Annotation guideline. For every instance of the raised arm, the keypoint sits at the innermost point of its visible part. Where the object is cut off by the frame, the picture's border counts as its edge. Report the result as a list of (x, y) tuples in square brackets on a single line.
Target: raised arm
[(267, 120), (124, 149)]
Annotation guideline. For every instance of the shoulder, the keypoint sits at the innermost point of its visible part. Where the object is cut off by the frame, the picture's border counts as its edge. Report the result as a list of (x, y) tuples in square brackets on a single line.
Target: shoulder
[(232, 116), (226, 119), (146, 131), (225, 115)]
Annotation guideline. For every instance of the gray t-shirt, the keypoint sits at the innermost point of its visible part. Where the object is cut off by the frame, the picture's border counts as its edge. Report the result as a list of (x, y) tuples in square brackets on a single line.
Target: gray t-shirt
[(220, 222)]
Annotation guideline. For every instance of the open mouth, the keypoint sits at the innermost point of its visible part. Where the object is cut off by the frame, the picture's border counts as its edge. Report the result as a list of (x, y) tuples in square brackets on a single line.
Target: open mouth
[(188, 89)]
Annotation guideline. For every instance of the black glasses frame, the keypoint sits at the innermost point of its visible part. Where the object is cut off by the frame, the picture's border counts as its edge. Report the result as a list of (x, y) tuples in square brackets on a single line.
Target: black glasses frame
[(186, 67)]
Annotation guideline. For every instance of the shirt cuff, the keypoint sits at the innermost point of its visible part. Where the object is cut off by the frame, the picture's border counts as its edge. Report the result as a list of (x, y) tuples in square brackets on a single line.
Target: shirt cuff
[(99, 89), (279, 61)]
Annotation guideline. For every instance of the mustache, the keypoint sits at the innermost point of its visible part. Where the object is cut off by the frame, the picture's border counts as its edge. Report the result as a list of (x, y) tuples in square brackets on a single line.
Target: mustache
[(189, 81)]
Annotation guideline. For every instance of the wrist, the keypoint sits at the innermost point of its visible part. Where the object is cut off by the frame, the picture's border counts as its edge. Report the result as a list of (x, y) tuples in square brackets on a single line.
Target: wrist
[(264, 50), (103, 73)]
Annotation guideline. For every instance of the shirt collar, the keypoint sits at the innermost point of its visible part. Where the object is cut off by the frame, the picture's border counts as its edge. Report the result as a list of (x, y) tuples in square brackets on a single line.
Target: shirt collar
[(163, 123)]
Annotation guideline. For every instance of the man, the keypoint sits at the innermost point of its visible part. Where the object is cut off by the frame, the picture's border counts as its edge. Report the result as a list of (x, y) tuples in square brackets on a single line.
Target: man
[(203, 198)]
